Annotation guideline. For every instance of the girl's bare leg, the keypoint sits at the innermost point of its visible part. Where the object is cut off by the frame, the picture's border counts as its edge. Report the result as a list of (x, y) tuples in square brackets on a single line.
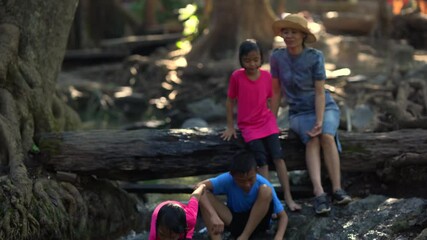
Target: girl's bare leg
[(263, 171), (282, 174)]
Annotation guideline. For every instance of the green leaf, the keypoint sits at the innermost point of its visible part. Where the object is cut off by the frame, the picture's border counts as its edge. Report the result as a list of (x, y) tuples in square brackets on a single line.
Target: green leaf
[(35, 149)]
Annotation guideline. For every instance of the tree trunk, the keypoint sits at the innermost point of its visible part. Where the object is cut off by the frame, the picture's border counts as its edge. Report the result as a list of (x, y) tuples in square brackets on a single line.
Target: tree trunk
[(154, 154), (150, 20), (33, 37), (281, 7), (105, 20), (233, 21), (384, 21)]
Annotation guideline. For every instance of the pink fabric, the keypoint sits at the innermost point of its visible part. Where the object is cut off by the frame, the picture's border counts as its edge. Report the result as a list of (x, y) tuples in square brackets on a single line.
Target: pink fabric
[(391, 2), (254, 118), (190, 209)]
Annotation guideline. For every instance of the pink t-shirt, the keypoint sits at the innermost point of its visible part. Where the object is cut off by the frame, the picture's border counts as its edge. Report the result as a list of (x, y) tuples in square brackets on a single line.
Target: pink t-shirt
[(190, 209), (254, 118)]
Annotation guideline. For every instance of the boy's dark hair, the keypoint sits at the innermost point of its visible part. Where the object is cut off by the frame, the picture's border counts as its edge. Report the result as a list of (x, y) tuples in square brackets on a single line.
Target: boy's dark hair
[(248, 46), (172, 216), (242, 162)]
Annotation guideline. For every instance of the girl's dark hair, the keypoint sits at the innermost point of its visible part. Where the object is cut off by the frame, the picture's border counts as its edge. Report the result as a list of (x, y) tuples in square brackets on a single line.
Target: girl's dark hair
[(242, 162), (172, 216), (248, 46)]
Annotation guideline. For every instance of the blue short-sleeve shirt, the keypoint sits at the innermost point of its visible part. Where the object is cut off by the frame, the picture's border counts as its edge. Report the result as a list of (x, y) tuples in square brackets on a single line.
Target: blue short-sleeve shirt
[(297, 75), (237, 199)]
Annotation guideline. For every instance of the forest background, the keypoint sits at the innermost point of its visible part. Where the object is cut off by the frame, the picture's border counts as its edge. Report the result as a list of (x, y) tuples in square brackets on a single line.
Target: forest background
[(128, 65)]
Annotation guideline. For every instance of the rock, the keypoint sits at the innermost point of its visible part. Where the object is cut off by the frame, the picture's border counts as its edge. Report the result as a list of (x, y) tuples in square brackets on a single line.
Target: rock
[(195, 123), (373, 217), (207, 109), (363, 118), (422, 235), (283, 117), (132, 105), (299, 177)]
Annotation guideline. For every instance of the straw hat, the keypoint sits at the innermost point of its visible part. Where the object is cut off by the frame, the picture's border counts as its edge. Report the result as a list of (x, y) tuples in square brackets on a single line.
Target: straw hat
[(294, 21)]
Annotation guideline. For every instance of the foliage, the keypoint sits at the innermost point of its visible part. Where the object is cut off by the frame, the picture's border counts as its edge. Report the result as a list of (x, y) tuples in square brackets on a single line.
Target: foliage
[(191, 23), (168, 11), (35, 149), (186, 11)]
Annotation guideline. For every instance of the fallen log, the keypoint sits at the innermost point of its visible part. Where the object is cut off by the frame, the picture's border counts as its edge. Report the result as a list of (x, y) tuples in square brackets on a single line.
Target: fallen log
[(155, 154), (142, 44)]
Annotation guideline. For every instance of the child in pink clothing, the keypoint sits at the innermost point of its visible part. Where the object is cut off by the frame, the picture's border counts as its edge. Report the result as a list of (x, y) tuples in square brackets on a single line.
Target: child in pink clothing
[(175, 220), (251, 88)]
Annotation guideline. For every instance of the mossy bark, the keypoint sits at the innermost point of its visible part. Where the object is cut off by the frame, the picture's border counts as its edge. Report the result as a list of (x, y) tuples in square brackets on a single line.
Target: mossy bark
[(34, 205)]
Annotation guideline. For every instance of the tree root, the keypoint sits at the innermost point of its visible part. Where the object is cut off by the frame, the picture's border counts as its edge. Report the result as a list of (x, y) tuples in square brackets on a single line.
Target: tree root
[(17, 222), (55, 211)]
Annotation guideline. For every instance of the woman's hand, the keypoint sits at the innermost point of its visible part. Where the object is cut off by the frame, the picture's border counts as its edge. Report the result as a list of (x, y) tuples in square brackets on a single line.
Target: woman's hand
[(316, 130), (228, 134)]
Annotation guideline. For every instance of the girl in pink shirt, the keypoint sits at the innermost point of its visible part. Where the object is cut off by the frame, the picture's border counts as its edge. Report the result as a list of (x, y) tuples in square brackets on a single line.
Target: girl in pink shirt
[(173, 220), (251, 88)]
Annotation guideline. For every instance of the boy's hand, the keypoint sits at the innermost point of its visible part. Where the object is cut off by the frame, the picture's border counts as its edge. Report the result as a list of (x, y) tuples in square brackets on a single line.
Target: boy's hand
[(217, 225), (228, 134), (282, 223)]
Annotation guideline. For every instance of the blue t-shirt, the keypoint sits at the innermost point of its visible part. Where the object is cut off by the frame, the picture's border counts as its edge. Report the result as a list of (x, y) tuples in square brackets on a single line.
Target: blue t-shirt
[(297, 76), (237, 199)]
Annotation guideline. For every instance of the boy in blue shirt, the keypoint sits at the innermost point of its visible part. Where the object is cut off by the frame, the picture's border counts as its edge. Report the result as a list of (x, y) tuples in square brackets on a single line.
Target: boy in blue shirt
[(251, 200)]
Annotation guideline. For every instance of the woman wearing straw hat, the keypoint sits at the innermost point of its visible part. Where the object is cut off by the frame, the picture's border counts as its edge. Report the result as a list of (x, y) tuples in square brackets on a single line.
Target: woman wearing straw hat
[(299, 72)]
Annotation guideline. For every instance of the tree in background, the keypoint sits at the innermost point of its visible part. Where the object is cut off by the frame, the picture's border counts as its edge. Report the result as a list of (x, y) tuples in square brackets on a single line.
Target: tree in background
[(103, 19), (231, 22), (280, 6)]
